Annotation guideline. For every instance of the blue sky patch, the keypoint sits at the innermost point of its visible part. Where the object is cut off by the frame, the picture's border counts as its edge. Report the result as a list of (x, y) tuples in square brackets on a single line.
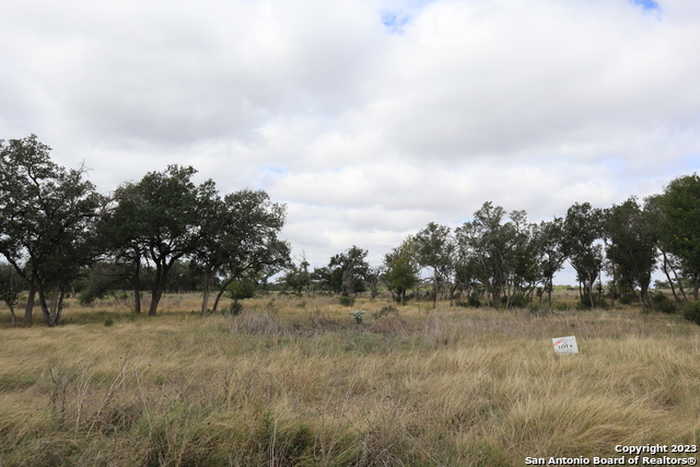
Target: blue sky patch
[(395, 21), (647, 4)]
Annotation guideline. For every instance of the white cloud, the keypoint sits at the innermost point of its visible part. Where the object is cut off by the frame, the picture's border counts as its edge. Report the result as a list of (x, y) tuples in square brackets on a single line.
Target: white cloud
[(365, 132)]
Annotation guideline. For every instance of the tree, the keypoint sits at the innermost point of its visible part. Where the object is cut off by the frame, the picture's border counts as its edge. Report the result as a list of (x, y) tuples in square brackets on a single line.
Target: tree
[(583, 229), (680, 206), (347, 272), (504, 256), (10, 288), (670, 264), (297, 278), (632, 246), (550, 241), (401, 270), (161, 217), (249, 246), (435, 249), (47, 222)]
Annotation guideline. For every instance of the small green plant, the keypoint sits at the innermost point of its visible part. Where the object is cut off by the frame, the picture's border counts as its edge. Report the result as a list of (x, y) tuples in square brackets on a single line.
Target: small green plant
[(109, 322), (691, 311), (346, 300), (358, 316)]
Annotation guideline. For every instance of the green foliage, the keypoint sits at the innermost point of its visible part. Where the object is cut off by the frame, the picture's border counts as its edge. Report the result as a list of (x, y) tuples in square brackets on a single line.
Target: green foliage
[(358, 316), (241, 289), (435, 249), (503, 256), (346, 300), (109, 322), (631, 246), (401, 270), (519, 301), (583, 228), (677, 218), (691, 311), (160, 217), (346, 273), (10, 288), (663, 304), (47, 219), (235, 308), (297, 277)]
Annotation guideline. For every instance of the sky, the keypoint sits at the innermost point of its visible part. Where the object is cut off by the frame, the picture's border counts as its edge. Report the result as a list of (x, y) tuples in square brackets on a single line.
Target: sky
[(368, 118)]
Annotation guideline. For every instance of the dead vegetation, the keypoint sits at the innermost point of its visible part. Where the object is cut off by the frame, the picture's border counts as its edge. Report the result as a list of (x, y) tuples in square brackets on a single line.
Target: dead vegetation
[(283, 384)]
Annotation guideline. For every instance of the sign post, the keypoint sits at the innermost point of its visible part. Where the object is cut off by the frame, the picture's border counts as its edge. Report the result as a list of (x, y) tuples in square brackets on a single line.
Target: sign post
[(565, 345)]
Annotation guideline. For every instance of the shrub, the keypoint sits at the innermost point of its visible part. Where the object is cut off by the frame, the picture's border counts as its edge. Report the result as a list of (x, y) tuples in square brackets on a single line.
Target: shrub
[(358, 315), (517, 301), (691, 311), (474, 300), (346, 300), (660, 302), (242, 289), (628, 299), (109, 322), (235, 308)]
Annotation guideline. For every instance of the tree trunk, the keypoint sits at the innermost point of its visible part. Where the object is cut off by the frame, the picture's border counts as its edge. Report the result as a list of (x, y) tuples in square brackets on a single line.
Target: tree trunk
[(435, 292), (137, 287), (158, 287), (205, 292), (156, 293), (45, 307), (664, 268), (137, 299), (57, 310), (29, 308), (13, 317), (222, 289)]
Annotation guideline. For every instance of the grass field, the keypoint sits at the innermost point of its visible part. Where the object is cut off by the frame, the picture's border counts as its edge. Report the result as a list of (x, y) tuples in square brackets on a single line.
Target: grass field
[(296, 381)]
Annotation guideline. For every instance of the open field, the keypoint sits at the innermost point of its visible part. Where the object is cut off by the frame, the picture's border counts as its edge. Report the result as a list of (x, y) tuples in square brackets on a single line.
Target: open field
[(295, 381)]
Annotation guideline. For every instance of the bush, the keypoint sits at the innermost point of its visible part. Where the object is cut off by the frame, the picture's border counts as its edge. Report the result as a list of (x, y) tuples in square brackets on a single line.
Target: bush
[(109, 322), (628, 299), (691, 311), (242, 289), (473, 301), (235, 308), (660, 302), (517, 301), (358, 316), (346, 300)]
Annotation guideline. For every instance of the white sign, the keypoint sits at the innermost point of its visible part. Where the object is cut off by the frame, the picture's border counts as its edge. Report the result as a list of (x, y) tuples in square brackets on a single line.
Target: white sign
[(565, 345)]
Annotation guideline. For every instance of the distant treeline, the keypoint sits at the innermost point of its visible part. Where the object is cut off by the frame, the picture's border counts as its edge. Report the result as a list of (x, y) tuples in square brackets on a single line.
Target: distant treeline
[(58, 236)]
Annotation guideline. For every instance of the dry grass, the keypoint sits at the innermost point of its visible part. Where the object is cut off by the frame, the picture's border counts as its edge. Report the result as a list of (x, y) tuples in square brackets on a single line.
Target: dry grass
[(297, 382)]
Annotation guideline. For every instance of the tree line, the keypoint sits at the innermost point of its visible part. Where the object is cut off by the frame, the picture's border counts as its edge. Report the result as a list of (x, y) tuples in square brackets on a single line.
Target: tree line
[(56, 229), (504, 260), (58, 235)]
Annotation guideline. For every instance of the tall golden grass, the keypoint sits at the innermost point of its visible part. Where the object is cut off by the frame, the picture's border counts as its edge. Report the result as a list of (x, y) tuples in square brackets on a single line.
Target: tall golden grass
[(296, 381)]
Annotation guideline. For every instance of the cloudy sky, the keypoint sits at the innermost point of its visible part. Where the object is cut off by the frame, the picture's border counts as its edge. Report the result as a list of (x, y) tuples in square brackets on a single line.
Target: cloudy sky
[(368, 118)]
